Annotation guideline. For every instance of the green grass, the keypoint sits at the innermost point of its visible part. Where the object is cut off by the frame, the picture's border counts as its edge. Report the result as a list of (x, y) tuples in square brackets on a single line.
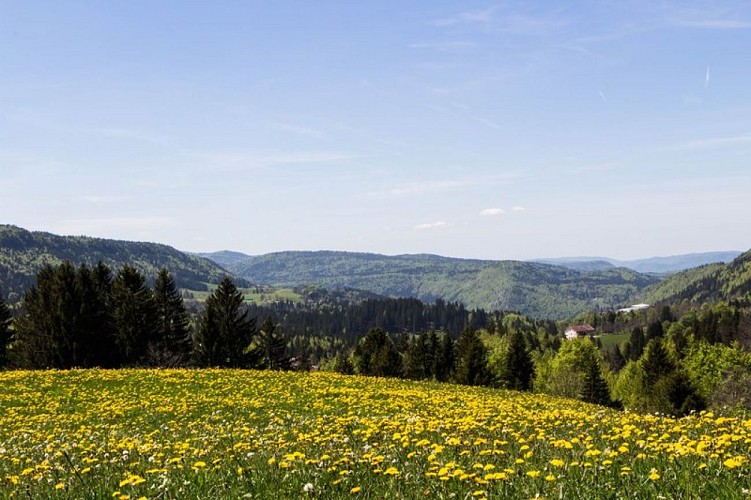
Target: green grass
[(613, 339)]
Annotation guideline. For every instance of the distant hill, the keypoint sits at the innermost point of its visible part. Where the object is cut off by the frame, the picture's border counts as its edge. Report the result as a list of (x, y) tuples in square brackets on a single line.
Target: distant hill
[(653, 265), (23, 253), (225, 258), (709, 283), (535, 289)]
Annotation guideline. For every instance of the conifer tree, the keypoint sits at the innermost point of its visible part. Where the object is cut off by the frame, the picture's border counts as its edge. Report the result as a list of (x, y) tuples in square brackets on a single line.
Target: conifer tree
[(134, 314), (95, 325), (5, 332), (595, 389), (471, 367), (270, 346), (173, 325), (636, 343), (376, 354), (225, 331), (519, 369), (444, 361)]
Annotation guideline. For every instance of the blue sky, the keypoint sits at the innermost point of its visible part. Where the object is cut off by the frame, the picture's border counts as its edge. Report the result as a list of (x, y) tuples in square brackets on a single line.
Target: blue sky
[(500, 130)]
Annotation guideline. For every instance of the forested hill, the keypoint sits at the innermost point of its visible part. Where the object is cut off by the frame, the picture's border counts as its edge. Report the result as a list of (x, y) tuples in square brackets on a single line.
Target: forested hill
[(710, 283), (23, 253), (538, 290)]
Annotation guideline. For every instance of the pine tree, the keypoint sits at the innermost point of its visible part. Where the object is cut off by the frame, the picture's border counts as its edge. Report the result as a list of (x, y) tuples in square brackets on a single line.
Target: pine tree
[(173, 325), (5, 332), (134, 314), (519, 369), (225, 331), (471, 366)]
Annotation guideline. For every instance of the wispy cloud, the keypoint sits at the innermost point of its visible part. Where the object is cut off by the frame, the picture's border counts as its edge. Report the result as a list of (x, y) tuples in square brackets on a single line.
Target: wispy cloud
[(239, 160), (304, 131), (449, 45), (715, 142), (717, 24), (490, 212), (431, 187), (431, 225), (427, 187), (518, 209), (467, 17)]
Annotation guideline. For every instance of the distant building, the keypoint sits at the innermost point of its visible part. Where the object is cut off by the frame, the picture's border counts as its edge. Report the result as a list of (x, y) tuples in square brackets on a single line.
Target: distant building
[(576, 331), (635, 307)]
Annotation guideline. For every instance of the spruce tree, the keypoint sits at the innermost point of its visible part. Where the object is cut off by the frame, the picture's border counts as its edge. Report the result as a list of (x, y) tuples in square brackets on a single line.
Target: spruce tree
[(636, 343), (518, 369), (656, 363), (376, 354), (225, 331), (134, 314), (444, 361), (471, 366), (595, 389), (173, 325), (270, 346), (5, 332)]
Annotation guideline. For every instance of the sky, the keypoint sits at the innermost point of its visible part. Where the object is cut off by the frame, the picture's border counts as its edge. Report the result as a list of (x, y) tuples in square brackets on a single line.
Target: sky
[(493, 130)]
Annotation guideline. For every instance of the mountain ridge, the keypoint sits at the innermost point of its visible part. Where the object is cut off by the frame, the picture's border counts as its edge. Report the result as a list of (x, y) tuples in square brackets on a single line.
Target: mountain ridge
[(23, 253)]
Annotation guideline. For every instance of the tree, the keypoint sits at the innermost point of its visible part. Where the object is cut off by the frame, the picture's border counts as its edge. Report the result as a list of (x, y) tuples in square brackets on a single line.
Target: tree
[(46, 331), (225, 331), (5, 332), (376, 354), (471, 366), (636, 343), (595, 389), (134, 314), (444, 362), (519, 369), (269, 347), (95, 323), (173, 325)]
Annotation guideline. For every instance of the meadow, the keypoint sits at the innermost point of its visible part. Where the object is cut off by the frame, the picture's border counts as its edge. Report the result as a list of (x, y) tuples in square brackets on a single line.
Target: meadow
[(130, 434)]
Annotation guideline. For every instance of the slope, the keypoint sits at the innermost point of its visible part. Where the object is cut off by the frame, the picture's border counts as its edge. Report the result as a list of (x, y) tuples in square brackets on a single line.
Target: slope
[(23, 253), (709, 283)]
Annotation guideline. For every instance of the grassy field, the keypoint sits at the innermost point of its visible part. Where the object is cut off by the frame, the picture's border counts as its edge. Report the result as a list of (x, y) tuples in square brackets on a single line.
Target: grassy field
[(613, 339), (133, 434), (251, 295)]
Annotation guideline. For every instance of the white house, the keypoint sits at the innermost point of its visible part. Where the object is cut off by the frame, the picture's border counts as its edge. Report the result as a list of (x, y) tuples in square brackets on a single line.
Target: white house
[(576, 331)]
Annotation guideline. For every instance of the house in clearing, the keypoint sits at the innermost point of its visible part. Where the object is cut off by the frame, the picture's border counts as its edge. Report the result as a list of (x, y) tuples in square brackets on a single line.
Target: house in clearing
[(576, 331)]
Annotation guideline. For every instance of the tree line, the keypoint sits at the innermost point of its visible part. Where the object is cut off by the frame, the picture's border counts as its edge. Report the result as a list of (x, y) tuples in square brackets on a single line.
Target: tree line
[(90, 317), (675, 361)]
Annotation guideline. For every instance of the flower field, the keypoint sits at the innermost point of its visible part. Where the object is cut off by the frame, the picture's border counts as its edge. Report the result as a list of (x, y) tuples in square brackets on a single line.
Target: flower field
[(132, 434)]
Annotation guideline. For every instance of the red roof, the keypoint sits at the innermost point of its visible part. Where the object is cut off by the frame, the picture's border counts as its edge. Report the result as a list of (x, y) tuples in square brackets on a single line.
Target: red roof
[(582, 328)]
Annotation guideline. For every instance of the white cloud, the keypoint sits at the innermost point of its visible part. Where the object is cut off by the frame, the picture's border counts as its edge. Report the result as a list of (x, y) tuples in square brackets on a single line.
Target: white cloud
[(518, 209), (431, 225), (489, 212)]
